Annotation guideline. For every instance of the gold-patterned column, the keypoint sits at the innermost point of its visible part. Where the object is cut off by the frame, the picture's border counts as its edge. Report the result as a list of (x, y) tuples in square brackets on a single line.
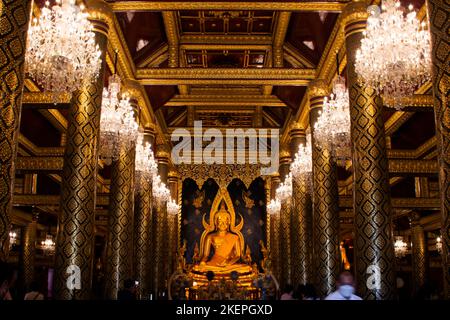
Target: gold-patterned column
[(275, 233), (119, 263), (161, 270), (438, 14), (418, 252), (325, 202), (75, 240), (143, 233), (14, 17), (374, 253), (173, 223), (285, 221), (29, 251), (301, 221)]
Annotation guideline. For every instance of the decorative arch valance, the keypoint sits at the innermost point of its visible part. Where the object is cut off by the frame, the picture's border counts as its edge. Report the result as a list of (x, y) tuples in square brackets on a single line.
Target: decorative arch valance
[(223, 174)]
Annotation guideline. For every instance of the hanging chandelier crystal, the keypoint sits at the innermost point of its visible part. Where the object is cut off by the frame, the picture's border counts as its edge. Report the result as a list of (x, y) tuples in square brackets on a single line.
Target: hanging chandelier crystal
[(395, 54), (332, 128), (160, 192), (301, 167), (62, 55), (284, 191), (439, 245), (145, 164), (48, 245), (274, 207), (400, 247), (172, 207)]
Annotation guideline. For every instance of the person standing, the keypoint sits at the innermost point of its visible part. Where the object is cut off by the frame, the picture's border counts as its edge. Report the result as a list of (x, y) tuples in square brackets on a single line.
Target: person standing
[(345, 288)]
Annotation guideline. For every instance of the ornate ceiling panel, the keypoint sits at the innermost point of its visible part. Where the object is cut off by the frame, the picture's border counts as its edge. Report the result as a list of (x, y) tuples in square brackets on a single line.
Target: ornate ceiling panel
[(225, 22)]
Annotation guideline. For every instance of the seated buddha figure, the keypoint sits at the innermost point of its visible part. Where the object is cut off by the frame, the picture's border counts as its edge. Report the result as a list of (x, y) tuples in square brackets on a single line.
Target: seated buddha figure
[(225, 245)]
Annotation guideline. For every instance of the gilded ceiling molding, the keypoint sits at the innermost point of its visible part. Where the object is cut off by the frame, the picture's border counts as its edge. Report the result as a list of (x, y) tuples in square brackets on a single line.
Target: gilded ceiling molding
[(227, 39), (236, 76), (170, 25), (39, 151), (155, 58), (299, 59), (221, 46), (223, 5), (396, 121), (45, 98), (39, 163), (224, 100)]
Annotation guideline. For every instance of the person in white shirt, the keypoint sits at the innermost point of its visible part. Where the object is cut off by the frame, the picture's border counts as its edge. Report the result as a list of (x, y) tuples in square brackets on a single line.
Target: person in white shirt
[(345, 288)]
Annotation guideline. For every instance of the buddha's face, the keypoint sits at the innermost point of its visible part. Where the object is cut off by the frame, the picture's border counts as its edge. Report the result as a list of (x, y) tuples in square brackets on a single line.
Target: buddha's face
[(222, 221)]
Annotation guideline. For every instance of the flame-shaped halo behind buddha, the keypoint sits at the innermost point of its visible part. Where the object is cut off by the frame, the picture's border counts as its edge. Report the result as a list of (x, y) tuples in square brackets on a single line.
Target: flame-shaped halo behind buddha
[(222, 195)]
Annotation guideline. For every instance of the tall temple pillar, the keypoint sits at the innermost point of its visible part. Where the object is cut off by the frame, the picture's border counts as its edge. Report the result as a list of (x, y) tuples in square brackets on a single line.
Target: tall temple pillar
[(160, 221), (418, 252), (285, 221), (439, 26), (325, 201), (374, 252), (143, 233), (14, 16), (75, 240), (28, 252), (275, 232), (119, 261), (301, 220)]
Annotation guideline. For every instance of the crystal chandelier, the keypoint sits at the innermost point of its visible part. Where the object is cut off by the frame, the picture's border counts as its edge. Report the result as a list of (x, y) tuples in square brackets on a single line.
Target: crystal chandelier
[(301, 167), (62, 55), (129, 129), (332, 128), (110, 121), (400, 247), (159, 190), (145, 164), (48, 245), (284, 191), (395, 54), (439, 245), (172, 207), (12, 238), (274, 207), (118, 126)]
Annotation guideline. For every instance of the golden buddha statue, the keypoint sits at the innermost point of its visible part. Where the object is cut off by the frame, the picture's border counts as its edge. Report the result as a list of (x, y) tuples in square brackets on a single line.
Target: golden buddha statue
[(223, 239)]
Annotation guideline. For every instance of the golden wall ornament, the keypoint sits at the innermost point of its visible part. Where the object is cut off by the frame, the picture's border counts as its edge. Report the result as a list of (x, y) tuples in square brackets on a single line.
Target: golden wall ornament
[(75, 240), (439, 26), (14, 17), (374, 251)]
